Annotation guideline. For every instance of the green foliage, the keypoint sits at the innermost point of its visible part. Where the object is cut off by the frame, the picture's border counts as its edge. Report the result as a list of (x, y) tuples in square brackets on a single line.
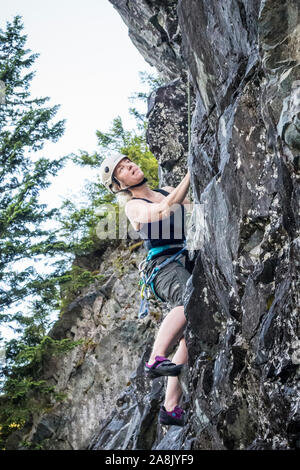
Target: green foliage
[(24, 393), (33, 446), (73, 281), (145, 160), (33, 356), (129, 143)]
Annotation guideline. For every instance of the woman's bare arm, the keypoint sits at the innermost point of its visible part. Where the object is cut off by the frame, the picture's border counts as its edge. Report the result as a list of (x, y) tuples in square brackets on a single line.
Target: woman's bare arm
[(142, 212), (170, 189)]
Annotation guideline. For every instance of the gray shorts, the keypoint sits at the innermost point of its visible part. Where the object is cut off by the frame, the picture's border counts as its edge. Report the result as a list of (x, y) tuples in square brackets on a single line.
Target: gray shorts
[(170, 281)]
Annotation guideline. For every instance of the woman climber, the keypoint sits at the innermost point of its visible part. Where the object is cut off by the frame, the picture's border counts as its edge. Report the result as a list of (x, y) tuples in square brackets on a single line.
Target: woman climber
[(146, 209)]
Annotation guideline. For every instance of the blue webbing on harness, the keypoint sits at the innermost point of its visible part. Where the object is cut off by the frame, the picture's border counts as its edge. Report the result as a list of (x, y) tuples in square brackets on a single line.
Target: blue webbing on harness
[(147, 283)]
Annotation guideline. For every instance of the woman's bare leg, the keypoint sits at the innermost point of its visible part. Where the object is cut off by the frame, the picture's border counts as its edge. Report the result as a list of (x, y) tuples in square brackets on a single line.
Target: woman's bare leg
[(170, 331), (173, 390)]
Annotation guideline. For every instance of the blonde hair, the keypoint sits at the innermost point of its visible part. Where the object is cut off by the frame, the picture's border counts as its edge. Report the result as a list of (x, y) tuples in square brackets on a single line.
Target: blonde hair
[(123, 196)]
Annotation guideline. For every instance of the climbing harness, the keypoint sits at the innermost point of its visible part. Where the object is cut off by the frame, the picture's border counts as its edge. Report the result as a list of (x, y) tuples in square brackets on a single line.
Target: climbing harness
[(147, 283)]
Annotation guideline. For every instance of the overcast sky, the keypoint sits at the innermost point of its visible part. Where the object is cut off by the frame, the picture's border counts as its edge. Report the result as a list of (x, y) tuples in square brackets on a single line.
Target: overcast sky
[(88, 65)]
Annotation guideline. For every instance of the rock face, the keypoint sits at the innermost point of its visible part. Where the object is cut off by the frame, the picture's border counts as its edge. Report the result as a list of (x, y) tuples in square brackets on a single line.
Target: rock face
[(167, 132), (243, 307), (242, 300), (154, 30)]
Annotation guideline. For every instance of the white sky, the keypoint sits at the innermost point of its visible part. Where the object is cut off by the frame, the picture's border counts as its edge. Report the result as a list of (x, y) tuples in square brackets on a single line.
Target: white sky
[(89, 66)]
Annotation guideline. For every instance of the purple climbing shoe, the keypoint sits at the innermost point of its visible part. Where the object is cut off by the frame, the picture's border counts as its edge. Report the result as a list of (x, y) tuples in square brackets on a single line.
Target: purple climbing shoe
[(174, 417), (162, 366)]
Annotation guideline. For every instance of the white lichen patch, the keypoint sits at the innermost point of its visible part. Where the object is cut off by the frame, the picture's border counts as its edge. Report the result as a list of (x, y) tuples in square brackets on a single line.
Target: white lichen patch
[(250, 132), (205, 297), (232, 292), (223, 127), (255, 253), (201, 416), (260, 189), (267, 256), (202, 79)]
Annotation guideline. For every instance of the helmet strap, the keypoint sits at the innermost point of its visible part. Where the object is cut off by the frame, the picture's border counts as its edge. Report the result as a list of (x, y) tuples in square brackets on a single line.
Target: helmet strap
[(129, 187)]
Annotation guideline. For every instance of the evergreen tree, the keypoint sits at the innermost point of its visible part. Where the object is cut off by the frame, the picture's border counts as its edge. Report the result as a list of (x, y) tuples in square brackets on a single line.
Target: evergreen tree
[(26, 123)]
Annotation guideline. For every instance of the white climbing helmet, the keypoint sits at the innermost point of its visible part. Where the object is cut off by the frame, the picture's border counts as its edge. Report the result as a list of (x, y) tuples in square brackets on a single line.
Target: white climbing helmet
[(107, 169), (107, 173)]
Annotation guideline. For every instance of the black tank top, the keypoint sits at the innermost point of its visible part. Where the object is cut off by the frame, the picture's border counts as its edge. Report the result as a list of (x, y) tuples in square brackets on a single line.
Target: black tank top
[(167, 231)]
